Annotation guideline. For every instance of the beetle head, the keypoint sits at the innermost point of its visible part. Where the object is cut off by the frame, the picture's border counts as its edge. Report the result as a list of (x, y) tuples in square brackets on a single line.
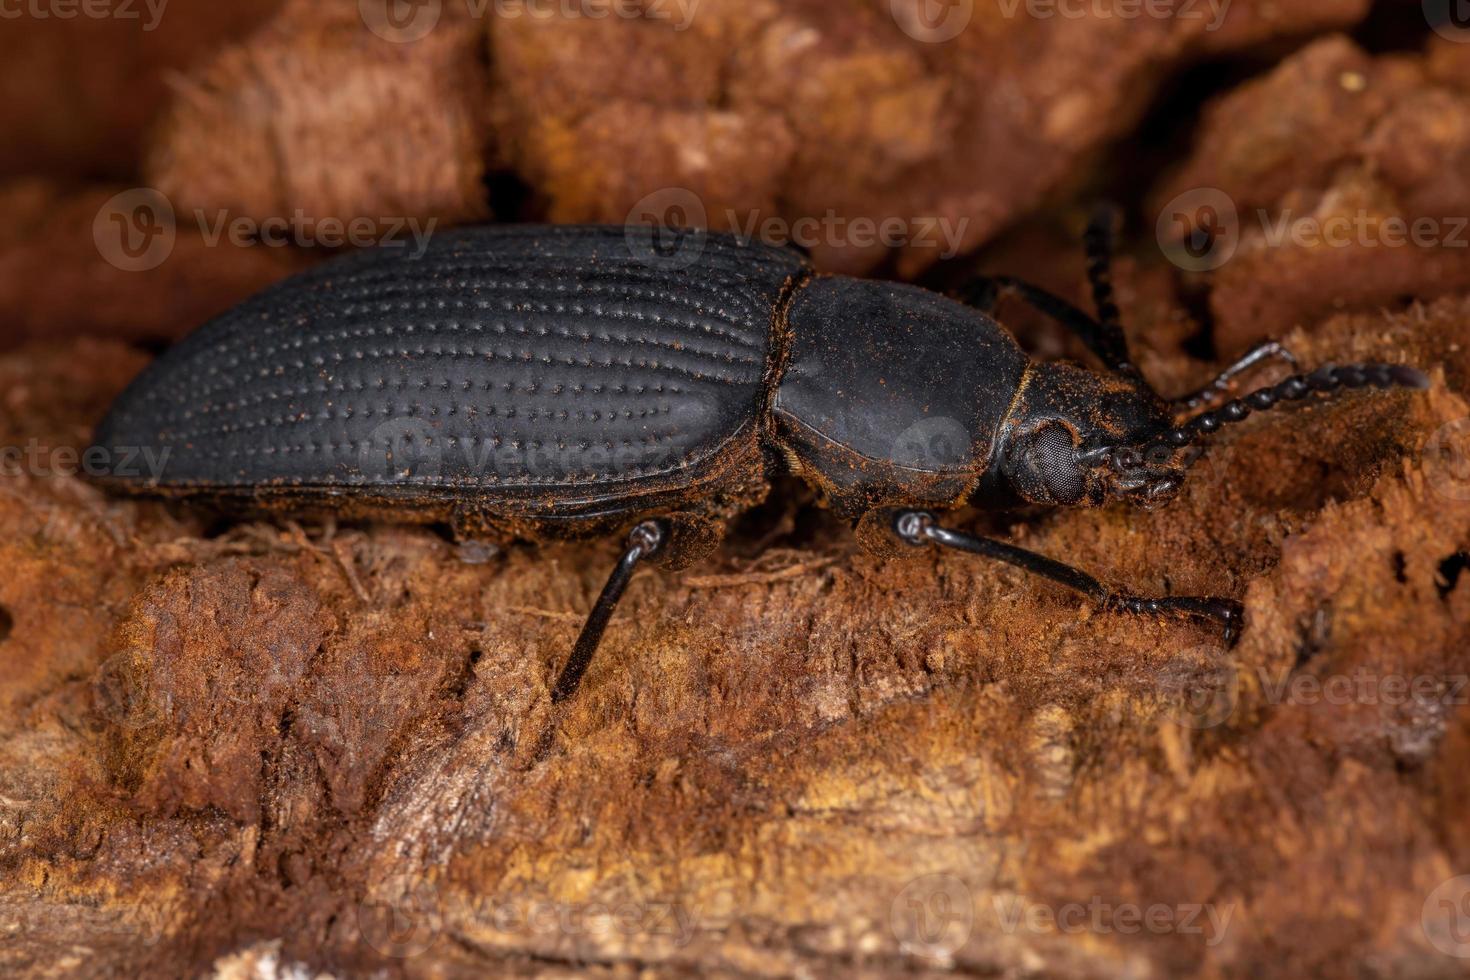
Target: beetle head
[(1079, 438)]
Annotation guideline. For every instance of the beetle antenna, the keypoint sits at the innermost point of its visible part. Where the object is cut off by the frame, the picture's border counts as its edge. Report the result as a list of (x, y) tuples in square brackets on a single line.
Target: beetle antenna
[(1327, 380)]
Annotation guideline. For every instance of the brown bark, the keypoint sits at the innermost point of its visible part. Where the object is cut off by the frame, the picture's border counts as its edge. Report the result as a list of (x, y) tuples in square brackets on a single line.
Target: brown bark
[(260, 742)]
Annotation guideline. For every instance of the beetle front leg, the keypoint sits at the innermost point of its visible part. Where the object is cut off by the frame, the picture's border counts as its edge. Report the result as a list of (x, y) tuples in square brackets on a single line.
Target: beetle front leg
[(918, 528), (644, 541)]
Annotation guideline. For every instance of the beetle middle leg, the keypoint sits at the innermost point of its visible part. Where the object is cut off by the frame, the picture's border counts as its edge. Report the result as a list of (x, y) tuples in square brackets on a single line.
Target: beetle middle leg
[(916, 527), (644, 541)]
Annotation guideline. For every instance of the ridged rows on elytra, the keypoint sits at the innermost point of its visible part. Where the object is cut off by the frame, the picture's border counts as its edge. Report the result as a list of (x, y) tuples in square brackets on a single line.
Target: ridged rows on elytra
[(568, 362), (716, 301)]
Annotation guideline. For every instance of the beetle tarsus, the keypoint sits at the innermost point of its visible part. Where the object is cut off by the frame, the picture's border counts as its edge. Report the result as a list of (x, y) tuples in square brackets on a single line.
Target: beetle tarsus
[(1227, 613), (644, 541), (920, 528)]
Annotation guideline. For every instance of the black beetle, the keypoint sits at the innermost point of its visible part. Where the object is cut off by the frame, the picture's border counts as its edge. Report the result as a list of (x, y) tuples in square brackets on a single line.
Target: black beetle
[(567, 381)]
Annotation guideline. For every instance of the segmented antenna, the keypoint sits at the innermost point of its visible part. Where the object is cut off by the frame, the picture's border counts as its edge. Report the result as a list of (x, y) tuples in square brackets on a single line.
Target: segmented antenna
[(1326, 380)]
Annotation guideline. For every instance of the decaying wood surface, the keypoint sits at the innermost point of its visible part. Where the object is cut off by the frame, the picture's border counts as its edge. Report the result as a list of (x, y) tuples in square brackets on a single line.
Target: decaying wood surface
[(258, 741)]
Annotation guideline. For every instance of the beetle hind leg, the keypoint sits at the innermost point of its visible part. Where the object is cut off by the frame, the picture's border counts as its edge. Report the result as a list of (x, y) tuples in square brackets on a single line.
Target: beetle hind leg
[(919, 528), (644, 541)]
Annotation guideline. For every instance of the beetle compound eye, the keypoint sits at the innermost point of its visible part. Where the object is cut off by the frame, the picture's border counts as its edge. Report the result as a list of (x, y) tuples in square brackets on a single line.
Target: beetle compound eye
[(1049, 472)]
